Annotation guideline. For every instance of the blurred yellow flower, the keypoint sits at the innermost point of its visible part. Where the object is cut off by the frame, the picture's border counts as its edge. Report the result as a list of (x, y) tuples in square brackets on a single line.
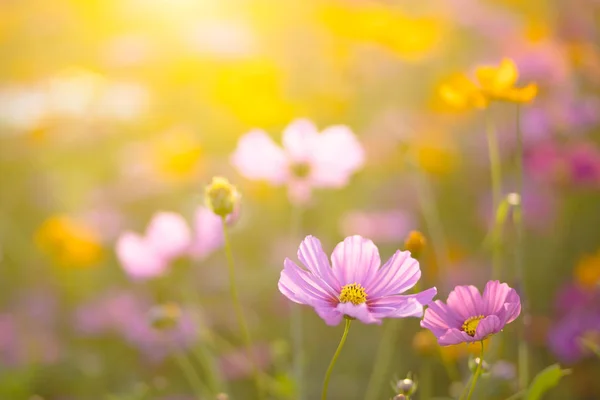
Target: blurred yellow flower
[(68, 242), (176, 153), (587, 271), (453, 353), (498, 83), (459, 92), (435, 153)]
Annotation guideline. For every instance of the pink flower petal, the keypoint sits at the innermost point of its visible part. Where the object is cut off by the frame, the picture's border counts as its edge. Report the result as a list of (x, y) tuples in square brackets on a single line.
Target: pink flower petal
[(301, 287), (355, 260), (138, 258), (168, 234), (454, 336), (330, 315), (512, 308), (398, 274), (258, 157), (466, 301), (300, 140), (494, 297), (360, 312), (336, 157), (208, 233), (396, 307), (439, 318), (488, 326), (311, 254)]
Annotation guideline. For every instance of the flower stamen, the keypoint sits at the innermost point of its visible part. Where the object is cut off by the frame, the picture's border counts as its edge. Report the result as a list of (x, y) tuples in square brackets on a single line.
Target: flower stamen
[(353, 293), (470, 325)]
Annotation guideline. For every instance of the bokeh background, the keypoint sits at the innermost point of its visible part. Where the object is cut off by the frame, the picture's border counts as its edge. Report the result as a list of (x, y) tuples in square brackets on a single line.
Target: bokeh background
[(114, 110)]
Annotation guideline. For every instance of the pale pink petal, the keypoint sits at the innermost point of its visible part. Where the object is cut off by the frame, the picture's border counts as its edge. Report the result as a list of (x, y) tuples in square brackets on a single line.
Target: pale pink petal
[(336, 157), (299, 192), (360, 312), (399, 274), (311, 254), (168, 234), (454, 336), (138, 258), (396, 307), (355, 260), (439, 318), (300, 140), (208, 233), (301, 287), (258, 157), (330, 315), (494, 297), (511, 309), (466, 301), (488, 326)]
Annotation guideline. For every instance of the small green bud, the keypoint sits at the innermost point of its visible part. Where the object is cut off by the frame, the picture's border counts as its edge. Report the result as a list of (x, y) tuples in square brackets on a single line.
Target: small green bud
[(221, 197), (165, 316), (474, 362), (406, 387)]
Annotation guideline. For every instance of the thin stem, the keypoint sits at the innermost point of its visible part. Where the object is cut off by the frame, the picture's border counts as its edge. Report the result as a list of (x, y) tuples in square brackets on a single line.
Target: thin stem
[(190, 372), (382, 360), (296, 323), (523, 350), (213, 379), (334, 359), (496, 178), (238, 309), (477, 373), (517, 395)]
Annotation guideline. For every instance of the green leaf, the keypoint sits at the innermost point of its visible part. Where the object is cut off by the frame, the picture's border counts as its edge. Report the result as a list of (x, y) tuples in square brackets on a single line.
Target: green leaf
[(544, 381)]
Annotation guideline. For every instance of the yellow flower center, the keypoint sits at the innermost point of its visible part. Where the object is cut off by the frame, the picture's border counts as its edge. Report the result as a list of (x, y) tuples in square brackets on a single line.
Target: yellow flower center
[(300, 170), (353, 293), (470, 325)]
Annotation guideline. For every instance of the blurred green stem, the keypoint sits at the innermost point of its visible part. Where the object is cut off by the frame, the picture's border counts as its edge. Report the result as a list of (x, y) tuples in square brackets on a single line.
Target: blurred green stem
[(296, 325), (523, 351), (239, 310), (477, 374), (190, 373), (334, 359), (496, 179), (202, 355), (383, 359)]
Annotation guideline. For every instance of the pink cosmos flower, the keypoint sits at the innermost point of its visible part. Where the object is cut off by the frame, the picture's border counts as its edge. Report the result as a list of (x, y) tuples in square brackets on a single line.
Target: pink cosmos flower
[(167, 238), (309, 159), (354, 285), (468, 316), (208, 233)]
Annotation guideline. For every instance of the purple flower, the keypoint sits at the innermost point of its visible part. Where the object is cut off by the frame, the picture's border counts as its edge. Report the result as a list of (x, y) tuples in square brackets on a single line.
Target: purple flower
[(565, 337), (309, 159), (354, 285), (468, 316), (167, 238)]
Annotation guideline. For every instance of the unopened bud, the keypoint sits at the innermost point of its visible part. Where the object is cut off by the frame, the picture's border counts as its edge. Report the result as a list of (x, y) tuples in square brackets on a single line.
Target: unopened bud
[(415, 243), (222, 396), (474, 363), (514, 199), (165, 316), (221, 197), (406, 387), (399, 397)]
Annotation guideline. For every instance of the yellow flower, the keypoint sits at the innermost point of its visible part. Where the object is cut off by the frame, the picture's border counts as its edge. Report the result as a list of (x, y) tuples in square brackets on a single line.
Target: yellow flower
[(69, 243), (587, 271), (498, 83), (459, 92)]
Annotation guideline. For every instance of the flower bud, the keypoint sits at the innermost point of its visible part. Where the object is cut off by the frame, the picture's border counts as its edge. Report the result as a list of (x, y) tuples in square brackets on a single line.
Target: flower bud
[(406, 387), (221, 197), (415, 243), (165, 316), (474, 362), (222, 396), (399, 397)]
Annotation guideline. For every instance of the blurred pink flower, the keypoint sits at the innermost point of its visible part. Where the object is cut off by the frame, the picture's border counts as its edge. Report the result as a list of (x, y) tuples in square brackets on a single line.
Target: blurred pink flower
[(575, 164), (237, 365), (309, 159), (208, 233), (108, 314), (167, 238), (382, 226), (544, 62)]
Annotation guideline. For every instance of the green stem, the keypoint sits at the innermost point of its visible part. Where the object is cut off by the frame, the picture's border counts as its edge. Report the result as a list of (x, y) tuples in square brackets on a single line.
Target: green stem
[(523, 350), (382, 360), (296, 323), (477, 373), (190, 373), (213, 379), (334, 359), (239, 312), (517, 395), (496, 178)]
